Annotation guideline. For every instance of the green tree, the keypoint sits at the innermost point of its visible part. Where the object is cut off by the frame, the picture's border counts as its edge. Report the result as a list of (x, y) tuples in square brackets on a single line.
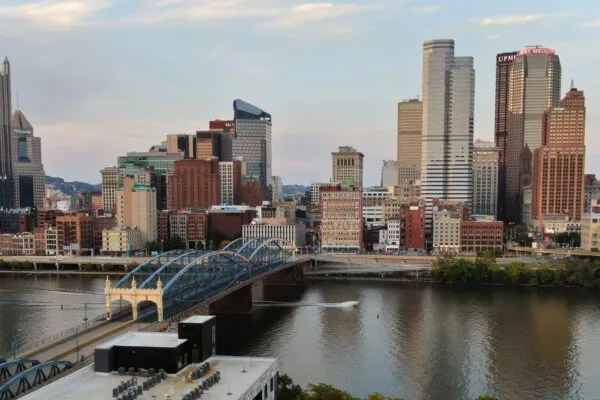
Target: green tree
[(223, 244), (286, 390), (322, 391)]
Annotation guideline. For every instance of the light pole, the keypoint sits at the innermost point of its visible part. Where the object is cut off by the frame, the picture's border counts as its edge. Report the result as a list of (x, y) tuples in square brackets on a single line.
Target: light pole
[(85, 318), (161, 245), (77, 343)]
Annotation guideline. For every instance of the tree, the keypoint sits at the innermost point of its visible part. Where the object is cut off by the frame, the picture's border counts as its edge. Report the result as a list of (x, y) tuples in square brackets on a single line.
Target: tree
[(286, 390), (223, 244), (322, 391)]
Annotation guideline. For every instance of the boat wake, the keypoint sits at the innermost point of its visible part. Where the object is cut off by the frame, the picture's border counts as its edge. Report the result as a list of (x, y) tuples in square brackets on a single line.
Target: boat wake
[(345, 304)]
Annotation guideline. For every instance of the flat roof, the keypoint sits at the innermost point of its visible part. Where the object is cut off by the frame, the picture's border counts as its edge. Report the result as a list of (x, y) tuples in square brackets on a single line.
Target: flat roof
[(144, 339), (198, 319), (234, 385)]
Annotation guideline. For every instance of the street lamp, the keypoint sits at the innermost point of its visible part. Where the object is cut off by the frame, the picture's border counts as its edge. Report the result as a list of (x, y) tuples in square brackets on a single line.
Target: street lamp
[(161, 245), (85, 318)]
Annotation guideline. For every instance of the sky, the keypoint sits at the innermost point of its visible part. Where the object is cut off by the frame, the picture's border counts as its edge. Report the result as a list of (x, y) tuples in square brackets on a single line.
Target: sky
[(99, 78)]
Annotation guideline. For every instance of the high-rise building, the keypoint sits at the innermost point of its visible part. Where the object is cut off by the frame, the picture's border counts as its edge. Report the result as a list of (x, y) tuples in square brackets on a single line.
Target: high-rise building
[(112, 180), (6, 175), (347, 166), (28, 170), (213, 144), (230, 175), (143, 212), (503, 64), (75, 233), (182, 143), (592, 191), (485, 178), (534, 87), (252, 141), (559, 166), (389, 173), (448, 111), (251, 192), (342, 221), (410, 129), (277, 189), (194, 184)]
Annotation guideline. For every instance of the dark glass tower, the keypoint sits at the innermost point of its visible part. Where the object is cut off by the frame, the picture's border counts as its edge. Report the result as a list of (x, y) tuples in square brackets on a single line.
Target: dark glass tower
[(6, 175), (503, 63)]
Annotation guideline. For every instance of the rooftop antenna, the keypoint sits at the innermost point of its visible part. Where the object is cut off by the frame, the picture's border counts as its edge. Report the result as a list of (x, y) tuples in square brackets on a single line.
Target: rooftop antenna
[(572, 85)]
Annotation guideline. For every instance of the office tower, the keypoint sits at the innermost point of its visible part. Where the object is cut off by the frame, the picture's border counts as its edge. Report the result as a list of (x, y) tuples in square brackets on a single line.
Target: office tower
[(410, 129), (347, 166), (112, 180), (448, 107), (143, 212), (182, 143), (123, 201), (389, 173), (277, 189), (28, 170), (342, 221), (485, 178), (251, 193), (6, 175), (194, 184), (560, 162), (534, 87), (230, 175), (252, 140), (503, 63), (209, 144)]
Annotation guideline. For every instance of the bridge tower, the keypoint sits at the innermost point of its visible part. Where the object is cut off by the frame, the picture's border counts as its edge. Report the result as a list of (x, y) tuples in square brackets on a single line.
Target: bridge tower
[(134, 295)]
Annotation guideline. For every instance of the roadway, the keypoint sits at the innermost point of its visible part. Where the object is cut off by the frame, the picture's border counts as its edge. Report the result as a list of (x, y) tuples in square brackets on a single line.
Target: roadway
[(77, 260)]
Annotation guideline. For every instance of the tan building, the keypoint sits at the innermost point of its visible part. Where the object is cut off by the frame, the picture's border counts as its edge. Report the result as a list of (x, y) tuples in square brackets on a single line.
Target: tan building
[(121, 240), (446, 234), (183, 143), (347, 166), (486, 159), (342, 221), (144, 212), (560, 162), (123, 202), (75, 233), (410, 129), (51, 241), (112, 180), (590, 232)]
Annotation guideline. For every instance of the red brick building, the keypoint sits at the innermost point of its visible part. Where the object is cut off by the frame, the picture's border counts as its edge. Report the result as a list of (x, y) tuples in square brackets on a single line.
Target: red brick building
[(222, 125), (46, 218), (481, 236), (194, 184), (227, 225), (197, 228), (413, 222), (251, 192), (75, 230)]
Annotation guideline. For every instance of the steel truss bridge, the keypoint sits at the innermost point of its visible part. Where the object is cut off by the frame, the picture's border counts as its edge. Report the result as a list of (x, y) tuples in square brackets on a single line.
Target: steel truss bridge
[(172, 279), (20, 376)]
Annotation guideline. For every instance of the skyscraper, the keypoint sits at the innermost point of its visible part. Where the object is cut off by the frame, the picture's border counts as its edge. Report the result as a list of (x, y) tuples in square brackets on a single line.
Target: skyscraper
[(277, 191), (410, 129), (6, 175), (28, 170), (347, 166), (485, 178), (503, 64), (194, 184), (112, 180), (389, 173), (560, 161), (182, 142), (534, 87), (448, 110), (252, 140)]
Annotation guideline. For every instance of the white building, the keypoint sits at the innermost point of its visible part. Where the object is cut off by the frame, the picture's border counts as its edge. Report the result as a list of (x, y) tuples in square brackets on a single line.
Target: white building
[(448, 112), (227, 180), (277, 189), (393, 234), (276, 228), (112, 181), (389, 173), (486, 159), (51, 241), (315, 191), (121, 240), (178, 226)]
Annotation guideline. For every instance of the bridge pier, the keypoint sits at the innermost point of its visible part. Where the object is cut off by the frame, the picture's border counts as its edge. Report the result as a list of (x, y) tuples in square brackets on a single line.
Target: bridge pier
[(285, 285), (35, 266), (237, 302)]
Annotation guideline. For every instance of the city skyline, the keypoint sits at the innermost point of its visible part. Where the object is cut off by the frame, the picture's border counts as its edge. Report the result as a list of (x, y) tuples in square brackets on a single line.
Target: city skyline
[(86, 99)]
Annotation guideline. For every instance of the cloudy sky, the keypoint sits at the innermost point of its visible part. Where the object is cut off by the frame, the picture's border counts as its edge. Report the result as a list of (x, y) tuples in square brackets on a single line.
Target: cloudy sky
[(98, 78)]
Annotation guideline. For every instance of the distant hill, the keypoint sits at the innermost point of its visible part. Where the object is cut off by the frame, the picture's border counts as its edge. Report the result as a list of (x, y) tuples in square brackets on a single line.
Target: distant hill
[(290, 190), (70, 188)]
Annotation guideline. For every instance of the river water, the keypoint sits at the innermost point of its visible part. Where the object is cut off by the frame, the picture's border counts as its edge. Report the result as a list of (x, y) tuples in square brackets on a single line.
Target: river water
[(404, 340)]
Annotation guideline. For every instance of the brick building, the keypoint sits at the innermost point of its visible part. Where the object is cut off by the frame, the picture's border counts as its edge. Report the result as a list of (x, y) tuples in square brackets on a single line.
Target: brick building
[(481, 236), (342, 221), (413, 220), (227, 225), (251, 192), (75, 233), (194, 184)]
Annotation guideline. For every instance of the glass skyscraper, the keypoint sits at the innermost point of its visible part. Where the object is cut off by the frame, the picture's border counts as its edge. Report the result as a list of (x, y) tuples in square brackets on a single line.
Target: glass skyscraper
[(6, 175), (252, 141)]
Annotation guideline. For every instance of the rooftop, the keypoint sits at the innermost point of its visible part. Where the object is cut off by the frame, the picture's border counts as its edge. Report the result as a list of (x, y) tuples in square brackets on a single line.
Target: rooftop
[(198, 319), (144, 339), (239, 376)]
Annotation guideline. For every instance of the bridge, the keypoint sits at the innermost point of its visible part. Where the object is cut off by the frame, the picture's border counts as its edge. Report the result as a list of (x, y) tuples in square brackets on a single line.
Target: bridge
[(557, 252)]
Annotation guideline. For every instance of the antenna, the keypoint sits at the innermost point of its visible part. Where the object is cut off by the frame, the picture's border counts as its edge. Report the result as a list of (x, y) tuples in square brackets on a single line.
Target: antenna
[(18, 100), (572, 84)]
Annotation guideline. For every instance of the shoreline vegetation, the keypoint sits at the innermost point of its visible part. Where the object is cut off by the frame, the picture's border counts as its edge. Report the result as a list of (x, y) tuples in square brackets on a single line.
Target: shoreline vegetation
[(287, 390)]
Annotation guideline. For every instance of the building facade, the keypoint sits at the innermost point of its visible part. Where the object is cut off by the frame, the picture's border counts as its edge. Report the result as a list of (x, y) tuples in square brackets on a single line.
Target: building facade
[(592, 191), (590, 228), (121, 240), (7, 199), (213, 144), (486, 164), (252, 141), (481, 236), (446, 234), (534, 87), (144, 212), (448, 115), (230, 175), (276, 228), (413, 220), (28, 171), (503, 63), (277, 189), (194, 184), (389, 173), (112, 181), (342, 221), (182, 143), (75, 233), (347, 166), (410, 130), (251, 193), (559, 164)]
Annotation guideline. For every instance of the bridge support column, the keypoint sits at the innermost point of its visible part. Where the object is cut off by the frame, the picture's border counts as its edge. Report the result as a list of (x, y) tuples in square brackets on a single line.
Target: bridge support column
[(35, 266), (57, 267), (79, 266), (285, 285), (237, 302)]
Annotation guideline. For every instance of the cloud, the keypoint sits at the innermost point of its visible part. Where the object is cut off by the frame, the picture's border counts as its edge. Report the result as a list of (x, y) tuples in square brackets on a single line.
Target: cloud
[(509, 20), (312, 12), (591, 24), (428, 9), (58, 14)]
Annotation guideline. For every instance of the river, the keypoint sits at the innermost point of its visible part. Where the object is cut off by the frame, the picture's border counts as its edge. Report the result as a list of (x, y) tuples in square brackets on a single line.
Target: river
[(404, 340)]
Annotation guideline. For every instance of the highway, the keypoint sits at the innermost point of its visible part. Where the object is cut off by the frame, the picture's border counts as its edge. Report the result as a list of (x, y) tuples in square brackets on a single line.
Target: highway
[(76, 260)]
